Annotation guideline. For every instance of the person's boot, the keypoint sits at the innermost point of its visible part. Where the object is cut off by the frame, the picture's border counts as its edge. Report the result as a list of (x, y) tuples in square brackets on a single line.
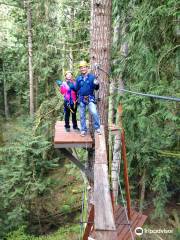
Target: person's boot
[(76, 129), (67, 129)]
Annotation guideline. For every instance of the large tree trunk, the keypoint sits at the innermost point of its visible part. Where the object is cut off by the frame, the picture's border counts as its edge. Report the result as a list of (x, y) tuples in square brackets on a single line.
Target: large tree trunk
[(100, 51), (30, 51), (100, 55)]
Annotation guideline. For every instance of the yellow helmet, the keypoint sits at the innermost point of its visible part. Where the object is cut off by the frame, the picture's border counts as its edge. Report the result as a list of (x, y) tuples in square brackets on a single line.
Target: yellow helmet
[(83, 64), (67, 72)]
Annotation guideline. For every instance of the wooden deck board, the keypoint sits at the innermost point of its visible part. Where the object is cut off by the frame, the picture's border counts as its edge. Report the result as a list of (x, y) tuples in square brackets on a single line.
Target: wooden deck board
[(63, 139), (123, 230), (137, 220), (104, 217), (121, 223)]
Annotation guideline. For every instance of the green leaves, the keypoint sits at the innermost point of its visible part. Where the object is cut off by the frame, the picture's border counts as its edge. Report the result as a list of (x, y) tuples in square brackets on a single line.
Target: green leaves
[(151, 67)]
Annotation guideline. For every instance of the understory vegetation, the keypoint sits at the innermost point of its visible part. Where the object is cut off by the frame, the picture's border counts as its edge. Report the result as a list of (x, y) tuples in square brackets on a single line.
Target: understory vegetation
[(40, 190)]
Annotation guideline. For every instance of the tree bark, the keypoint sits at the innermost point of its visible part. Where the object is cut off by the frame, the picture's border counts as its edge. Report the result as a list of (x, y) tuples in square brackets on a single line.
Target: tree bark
[(101, 11), (116, 155), (30, 53), (116, 166), (143, 188)]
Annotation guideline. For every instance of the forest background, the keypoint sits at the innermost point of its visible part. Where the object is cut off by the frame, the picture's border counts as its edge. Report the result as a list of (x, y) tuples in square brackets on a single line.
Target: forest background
[(41, 191)]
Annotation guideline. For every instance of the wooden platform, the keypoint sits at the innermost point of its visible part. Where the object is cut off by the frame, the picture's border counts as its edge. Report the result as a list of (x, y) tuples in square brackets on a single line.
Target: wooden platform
[(122, 227), (63, 139), (123, 231)]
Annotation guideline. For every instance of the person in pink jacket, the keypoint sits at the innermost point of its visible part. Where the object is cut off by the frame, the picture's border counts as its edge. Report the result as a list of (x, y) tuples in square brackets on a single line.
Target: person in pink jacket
[(70, 101)]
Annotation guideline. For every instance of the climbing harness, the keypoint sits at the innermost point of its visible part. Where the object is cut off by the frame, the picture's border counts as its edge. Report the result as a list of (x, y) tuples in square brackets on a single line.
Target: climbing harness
[(86, 99), (69, 105)]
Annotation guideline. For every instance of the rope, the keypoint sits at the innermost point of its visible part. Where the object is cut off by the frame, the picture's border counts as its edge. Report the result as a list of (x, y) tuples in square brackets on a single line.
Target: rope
[(123, 201), (125, 209)]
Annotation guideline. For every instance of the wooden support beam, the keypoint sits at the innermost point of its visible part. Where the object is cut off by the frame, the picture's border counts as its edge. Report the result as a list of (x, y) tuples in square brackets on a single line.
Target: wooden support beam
[(89, 224), (72, 158)]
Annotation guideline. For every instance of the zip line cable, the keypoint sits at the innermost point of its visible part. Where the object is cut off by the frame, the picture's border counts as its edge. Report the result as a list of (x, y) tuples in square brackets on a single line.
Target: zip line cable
[(150, 95), (176, 99)]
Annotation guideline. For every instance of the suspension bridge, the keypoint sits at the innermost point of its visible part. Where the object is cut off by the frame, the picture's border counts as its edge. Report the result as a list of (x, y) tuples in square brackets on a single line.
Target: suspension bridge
[(106, 219)]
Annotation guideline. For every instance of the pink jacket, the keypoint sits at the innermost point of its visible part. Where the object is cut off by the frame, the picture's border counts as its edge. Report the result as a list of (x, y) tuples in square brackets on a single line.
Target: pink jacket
[(67, 92)]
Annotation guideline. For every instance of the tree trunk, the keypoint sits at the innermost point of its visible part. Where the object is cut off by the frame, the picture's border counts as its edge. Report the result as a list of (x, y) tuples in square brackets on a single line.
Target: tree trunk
[(36, 88), (6, 107), (71, 36), (116, 166), (100, 51), (143, 188), (30, 51), (70, 59), (116, 155)]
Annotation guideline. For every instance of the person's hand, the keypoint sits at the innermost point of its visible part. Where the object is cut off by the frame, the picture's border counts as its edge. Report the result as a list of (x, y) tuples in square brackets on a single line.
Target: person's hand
[(96, 82), (59, 83)]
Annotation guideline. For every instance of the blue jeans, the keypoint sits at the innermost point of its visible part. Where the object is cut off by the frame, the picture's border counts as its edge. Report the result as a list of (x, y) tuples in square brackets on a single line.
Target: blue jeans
[(93, 111)]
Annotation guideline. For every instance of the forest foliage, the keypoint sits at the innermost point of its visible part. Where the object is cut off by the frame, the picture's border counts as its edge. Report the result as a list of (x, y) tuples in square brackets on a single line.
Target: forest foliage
[(60, 39)]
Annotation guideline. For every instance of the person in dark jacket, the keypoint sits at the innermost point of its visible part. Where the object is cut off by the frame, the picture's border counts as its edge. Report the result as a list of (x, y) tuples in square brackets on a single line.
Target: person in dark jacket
[(85, 85)]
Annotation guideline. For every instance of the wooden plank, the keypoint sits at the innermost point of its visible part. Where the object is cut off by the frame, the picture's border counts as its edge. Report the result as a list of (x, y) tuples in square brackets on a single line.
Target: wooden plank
[(104, 219), (137, 223), (121, 223), (71, 137), (73, 145), (124, 228), (89, 224), (100, 148), (106, 235), (63, 139), (121, 218), (77, 163)]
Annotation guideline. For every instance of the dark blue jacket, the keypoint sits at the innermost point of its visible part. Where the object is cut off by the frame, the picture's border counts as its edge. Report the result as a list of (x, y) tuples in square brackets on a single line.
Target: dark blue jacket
[(85, 85)]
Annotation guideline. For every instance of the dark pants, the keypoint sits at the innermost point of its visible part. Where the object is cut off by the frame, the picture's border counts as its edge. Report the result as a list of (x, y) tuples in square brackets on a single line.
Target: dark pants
[(70, 109)]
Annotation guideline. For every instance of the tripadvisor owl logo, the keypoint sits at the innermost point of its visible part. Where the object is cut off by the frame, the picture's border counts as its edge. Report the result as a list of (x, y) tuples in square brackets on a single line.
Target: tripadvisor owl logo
[(139, 231)]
